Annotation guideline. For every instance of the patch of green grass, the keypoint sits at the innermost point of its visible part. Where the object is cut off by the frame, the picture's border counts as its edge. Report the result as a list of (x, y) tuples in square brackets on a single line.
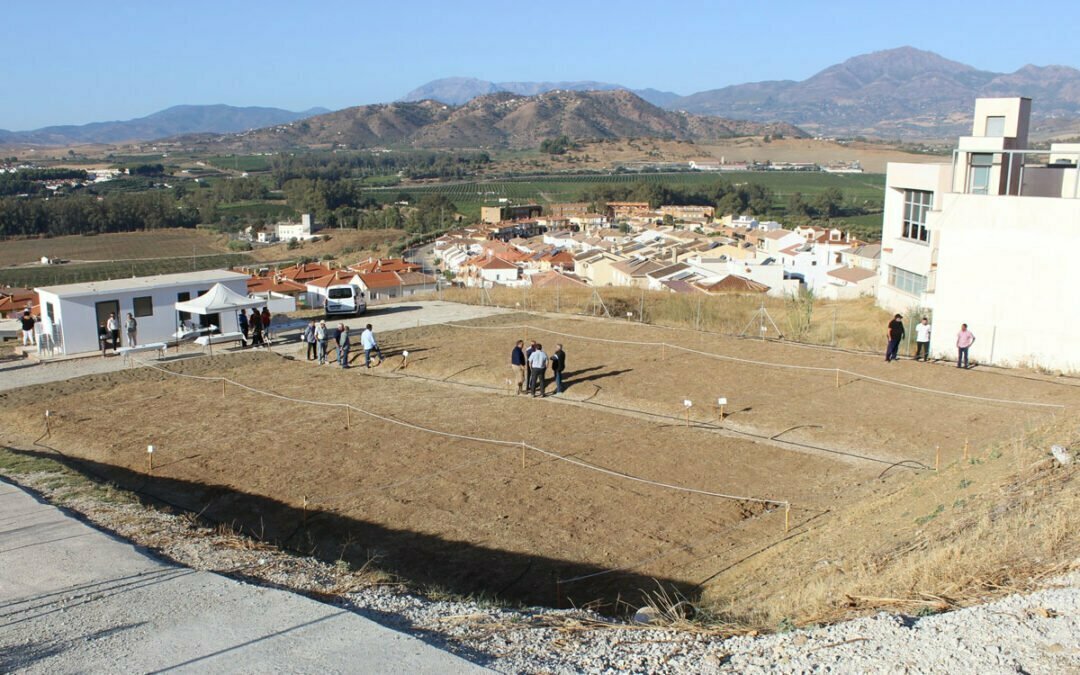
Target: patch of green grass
[(241, 162), (922, 520)]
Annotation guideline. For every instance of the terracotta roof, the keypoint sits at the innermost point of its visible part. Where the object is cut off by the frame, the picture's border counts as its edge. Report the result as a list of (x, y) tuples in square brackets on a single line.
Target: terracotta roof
[(415, 279), (852, 274), (381, 279), (733, 283), (305, 272), (385, 265), (270, 284), (494, 263), (335, 278), (553, 278)]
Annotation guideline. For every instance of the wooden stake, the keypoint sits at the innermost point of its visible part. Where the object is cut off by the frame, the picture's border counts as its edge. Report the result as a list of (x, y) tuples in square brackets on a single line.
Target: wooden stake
[(937, 458), (305, 510), (837, 378), (523, 454), (965, 449), (787, 518), (223, 387), (688, 418), (348, 417)]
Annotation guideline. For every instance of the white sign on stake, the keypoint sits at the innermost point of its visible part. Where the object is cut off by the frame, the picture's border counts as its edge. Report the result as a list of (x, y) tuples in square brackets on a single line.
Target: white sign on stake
[(149, 449), (721, 401), (405, 354), (687, 402)]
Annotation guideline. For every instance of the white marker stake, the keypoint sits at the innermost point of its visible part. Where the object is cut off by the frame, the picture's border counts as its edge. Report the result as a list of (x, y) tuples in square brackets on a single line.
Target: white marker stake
[(150, 456), (687, 403), (405, 359), (722, 401)]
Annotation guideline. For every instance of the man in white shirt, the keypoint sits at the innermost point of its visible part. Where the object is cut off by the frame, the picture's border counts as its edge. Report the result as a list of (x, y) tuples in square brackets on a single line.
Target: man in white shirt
[(922, 340), (367, 341), (538, 361)]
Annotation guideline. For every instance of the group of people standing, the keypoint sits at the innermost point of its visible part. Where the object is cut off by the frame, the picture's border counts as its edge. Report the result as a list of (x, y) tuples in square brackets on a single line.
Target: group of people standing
[(530, 368), (109, 332), (257, 325), (317, 337), (895, 334)]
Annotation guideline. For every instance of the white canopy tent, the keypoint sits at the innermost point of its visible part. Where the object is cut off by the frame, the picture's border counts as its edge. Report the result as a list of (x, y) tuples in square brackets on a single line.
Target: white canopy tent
[(217, 300)]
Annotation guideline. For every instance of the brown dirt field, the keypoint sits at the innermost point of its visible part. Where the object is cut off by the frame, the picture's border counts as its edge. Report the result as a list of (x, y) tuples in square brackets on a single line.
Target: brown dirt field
[(464, 515), (117, 246)]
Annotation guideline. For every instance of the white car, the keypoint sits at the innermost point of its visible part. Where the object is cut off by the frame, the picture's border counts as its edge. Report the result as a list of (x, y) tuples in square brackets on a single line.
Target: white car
[(345, 300)]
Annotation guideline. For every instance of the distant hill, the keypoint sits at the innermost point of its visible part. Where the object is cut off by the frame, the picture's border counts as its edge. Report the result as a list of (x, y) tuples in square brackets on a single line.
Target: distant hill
[(459, 90), (499, 120), (904, 92), (180, 119)]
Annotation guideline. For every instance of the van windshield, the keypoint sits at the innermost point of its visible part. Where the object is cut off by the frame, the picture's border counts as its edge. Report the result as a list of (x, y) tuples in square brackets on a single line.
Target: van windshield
[(337, 293)]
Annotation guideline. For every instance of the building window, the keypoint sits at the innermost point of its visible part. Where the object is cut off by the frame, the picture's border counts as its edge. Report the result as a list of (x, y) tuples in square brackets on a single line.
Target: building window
[(995, 127), (143, 306), (916, 204), (906, 281), (979, 178)]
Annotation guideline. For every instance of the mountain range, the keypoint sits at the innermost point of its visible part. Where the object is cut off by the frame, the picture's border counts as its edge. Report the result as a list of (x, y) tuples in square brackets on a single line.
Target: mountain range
[(896, 93), (180, 119), (458, 90), (903, 92), (501, 120)]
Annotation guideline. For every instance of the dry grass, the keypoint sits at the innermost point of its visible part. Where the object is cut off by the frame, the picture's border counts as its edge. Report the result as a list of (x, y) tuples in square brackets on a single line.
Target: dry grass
[(854, 324), (998, 522), (348, 246)]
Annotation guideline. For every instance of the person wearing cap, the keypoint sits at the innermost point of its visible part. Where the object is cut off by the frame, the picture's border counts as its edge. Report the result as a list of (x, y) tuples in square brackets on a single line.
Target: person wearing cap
[(895, 333)]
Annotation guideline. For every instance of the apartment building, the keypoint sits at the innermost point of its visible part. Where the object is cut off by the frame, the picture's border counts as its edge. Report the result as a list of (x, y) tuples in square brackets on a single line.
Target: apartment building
[(987, 239)]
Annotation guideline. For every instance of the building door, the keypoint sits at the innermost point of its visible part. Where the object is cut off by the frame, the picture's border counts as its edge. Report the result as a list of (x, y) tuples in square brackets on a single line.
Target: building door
[(104, 309)]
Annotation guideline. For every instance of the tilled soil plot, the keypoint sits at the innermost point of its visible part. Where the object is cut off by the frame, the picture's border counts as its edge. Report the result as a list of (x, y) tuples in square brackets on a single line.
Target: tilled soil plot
[(461, 514), (927, 408), (470, 516)]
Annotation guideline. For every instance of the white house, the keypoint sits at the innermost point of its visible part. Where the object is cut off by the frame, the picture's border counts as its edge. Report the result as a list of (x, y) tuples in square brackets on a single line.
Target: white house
[(76, 311), (988, 239), (301, 231)]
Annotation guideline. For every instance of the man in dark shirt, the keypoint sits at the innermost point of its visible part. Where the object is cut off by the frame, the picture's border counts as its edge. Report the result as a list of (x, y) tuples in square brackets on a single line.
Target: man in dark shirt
[(528, 370), (895, 333), (517, 365), (558, 365)]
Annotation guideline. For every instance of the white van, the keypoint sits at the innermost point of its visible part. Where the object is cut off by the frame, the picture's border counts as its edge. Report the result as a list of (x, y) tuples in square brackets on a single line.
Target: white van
[(345, 299)]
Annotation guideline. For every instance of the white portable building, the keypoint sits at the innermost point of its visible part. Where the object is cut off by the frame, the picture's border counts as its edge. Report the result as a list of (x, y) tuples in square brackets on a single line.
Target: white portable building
[(78, 310)]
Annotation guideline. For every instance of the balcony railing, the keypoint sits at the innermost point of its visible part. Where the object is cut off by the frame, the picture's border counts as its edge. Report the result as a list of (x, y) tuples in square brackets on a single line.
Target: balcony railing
[(1060, 178)]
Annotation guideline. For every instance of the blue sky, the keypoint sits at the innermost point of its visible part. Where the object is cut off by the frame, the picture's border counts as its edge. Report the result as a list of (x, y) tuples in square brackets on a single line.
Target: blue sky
[(75, 62)]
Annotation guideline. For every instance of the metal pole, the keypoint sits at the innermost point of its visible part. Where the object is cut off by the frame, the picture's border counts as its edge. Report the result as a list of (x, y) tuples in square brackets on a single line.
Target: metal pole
[(993, 340)]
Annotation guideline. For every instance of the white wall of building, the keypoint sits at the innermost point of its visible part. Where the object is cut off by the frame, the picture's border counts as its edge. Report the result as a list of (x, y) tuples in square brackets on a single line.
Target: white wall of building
[(1005, 270), (76, 316), (907, 254)]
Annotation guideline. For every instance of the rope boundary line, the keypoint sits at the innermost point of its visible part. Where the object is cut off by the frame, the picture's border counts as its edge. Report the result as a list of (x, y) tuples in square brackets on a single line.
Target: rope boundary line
[(767, 364), (477, 439)]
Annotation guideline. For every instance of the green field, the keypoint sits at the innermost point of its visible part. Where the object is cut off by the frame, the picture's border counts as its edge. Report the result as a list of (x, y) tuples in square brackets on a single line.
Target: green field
[(241, 162), (257, 208), (859, 189)]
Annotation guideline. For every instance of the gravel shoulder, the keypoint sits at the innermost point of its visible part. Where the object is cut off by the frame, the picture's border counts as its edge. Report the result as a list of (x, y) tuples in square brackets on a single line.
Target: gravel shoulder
[(141, 604)]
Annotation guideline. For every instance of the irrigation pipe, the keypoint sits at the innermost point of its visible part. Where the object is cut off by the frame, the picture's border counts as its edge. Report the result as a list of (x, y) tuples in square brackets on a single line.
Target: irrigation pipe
[(478, 439), (767, 364)]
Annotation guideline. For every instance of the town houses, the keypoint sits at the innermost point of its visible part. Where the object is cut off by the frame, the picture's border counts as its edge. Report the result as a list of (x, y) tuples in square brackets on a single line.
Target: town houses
[(673, 248)]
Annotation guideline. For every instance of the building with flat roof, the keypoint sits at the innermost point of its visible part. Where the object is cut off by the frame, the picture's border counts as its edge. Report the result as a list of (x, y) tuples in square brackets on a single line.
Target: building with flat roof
[(987, 239), (74, 312)]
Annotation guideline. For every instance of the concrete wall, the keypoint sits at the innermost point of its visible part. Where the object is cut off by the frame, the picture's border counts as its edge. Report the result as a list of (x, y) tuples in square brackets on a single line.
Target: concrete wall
[(1006, 270), (77, 321)]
